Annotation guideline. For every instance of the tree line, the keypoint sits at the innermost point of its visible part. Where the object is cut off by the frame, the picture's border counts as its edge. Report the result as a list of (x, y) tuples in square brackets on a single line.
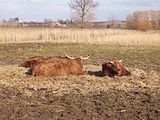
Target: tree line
[(144, 20), (83, 12)]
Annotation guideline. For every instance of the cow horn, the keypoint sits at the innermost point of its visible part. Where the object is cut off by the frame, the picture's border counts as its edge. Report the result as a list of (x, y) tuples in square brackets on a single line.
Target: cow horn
[(111, 62), (85, 58), (120, 60), (69, 56)]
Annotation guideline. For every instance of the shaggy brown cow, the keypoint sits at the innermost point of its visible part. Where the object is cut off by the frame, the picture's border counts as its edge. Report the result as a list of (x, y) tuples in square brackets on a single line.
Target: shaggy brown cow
[(29, 63), (114, 68), (60, 67)]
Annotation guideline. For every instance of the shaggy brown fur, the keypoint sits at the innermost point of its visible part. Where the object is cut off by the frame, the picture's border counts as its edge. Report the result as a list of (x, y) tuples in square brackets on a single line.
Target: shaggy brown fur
[(114, 68), (29, 63), (59, 67)]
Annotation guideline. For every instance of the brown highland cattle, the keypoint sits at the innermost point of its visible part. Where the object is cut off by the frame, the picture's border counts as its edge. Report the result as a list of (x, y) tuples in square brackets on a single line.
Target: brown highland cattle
[(114, 68), (29, 63), (33, 60), (60, 67)]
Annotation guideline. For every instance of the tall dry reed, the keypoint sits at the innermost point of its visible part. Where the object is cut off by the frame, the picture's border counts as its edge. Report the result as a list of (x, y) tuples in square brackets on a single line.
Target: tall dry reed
[(92, 36)]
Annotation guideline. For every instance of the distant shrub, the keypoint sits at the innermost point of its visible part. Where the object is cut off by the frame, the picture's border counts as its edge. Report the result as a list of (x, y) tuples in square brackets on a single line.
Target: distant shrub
[(143, 20)]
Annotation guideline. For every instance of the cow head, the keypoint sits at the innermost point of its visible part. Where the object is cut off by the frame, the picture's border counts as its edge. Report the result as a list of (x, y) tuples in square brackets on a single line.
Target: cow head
[(113, 68)]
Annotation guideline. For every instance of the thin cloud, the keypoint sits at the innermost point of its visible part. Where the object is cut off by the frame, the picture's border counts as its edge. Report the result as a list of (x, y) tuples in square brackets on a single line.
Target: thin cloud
[(54, 9), (130, 3)]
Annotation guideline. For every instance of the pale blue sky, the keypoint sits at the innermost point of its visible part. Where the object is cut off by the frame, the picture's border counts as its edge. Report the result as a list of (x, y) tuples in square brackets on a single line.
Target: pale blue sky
[(54, 9)]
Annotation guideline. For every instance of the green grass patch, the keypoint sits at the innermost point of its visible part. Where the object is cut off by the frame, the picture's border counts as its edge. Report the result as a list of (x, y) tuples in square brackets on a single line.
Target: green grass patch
[(146, 57)]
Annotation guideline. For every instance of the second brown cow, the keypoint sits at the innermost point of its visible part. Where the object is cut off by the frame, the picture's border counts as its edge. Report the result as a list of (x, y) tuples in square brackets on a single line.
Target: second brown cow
[(29, 63), (114, 68)]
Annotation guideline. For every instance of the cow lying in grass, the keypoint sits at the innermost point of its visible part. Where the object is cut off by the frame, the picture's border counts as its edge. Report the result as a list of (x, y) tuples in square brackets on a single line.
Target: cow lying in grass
[(59, 67), (29, 63), (114, 68)]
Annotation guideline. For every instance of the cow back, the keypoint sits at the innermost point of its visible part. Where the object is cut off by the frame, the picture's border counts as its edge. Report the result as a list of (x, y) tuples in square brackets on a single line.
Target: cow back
[(58, 67)]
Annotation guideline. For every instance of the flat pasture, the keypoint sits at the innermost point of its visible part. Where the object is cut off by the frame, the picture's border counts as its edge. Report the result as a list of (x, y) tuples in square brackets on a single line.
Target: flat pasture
[(89, 96)]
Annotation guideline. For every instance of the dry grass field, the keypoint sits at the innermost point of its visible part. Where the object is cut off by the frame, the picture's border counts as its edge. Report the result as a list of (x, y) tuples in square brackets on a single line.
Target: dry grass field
[(92, 36), (85, 97)]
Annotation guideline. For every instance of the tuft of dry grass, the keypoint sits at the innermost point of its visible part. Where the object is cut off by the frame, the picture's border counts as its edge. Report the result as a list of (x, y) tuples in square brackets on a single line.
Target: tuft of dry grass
[(93, 36), (12, 75)]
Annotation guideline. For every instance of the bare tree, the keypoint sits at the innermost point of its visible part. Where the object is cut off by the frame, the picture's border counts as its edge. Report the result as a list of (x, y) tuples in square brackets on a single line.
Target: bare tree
[(82, 11)]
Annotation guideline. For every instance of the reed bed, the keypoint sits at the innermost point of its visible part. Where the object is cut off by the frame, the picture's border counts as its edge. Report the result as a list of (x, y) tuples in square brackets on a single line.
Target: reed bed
[(92, 36)]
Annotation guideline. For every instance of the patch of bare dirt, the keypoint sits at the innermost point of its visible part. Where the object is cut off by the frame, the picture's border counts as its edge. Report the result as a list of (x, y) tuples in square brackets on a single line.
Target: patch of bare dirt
[(89, 96)]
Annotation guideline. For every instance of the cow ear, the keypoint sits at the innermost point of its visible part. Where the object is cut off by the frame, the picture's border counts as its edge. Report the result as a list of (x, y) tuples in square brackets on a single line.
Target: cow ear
[(120, 60)]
